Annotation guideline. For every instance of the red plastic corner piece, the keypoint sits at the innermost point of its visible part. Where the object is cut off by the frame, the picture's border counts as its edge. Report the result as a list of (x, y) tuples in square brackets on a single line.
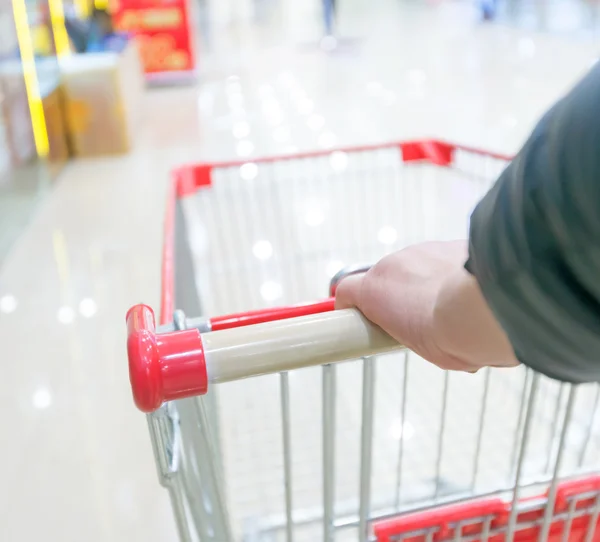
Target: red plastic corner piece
[(203, 175), (412, 151), (436, 152), (189, 179), (163, 367)]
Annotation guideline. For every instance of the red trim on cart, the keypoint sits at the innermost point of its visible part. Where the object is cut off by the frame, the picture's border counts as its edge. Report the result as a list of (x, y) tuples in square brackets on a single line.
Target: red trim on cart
[(440, 153), (436, 152), (571, 488), (167, 301), (163, 367), (470, 517), (190, 179), (270, 315), (442, 519)]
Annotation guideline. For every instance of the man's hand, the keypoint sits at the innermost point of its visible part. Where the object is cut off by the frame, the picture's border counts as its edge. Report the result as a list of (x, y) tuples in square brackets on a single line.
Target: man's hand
[(423, 297)]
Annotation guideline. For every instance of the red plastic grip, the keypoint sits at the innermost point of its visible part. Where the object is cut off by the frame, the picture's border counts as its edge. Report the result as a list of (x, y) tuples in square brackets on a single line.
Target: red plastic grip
[(162, 367)]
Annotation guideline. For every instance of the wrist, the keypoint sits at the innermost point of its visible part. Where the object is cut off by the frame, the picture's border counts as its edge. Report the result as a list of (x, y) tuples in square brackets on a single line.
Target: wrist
[(465, 325)]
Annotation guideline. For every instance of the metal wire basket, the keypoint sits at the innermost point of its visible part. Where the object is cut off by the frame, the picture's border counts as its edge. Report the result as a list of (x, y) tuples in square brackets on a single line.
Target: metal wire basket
[(320, 447)]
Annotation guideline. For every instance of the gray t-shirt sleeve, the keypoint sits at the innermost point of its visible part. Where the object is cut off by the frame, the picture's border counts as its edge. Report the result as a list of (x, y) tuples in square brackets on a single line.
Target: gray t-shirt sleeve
[(534, 243)]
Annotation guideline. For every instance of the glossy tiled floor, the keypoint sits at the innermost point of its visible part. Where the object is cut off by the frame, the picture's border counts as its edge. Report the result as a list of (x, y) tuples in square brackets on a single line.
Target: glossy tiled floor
[(76, 460), (21, 191)]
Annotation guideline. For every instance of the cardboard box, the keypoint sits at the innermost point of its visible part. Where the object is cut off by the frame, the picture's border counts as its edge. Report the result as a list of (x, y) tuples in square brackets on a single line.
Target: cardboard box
[(56, 128), (102, 98)]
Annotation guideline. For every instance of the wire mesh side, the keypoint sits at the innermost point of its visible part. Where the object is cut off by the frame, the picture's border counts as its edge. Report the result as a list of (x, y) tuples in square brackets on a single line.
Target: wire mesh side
[(297, 461), (575, 517), (272, 233), (565, 511)]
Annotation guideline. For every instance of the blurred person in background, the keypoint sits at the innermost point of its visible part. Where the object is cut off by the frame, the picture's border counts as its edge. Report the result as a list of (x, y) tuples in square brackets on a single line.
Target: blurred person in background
[(488, 9), (100, 30), (529, 291)]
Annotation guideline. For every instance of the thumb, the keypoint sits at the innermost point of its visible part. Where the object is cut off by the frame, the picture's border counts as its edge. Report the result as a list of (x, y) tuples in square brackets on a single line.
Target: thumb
[(348, 293)]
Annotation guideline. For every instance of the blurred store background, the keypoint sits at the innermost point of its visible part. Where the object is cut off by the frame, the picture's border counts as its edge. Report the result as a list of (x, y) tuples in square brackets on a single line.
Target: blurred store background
[(57, 111), (100, 100)]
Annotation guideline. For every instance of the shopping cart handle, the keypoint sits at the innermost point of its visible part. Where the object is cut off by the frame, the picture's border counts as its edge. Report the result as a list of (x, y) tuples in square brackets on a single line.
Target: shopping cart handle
[(168, 366), (162, 367)]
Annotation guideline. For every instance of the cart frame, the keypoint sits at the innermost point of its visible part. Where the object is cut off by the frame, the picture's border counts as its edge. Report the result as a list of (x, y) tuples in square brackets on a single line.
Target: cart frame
[(568, 510)]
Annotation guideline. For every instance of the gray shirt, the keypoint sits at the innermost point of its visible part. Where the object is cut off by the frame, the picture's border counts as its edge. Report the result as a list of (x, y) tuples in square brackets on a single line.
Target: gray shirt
[(534, 242)]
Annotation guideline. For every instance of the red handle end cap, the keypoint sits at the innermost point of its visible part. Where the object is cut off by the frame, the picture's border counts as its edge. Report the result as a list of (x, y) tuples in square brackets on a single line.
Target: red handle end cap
[(163, 367), (144, 370), (144, 359)]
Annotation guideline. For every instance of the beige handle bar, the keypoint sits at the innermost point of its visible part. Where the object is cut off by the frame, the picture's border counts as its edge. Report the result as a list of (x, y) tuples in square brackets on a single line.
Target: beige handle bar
[(289, 344), (179, 364)]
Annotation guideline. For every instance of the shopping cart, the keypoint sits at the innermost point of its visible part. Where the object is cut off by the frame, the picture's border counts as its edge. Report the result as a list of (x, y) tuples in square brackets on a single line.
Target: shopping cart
[(386, 447)]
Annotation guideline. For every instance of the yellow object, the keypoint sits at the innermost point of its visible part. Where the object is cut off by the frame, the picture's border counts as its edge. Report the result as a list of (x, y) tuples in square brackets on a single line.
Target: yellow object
[(83, 8), (57, 19), (42, 41), (57, 131), (38, 120)]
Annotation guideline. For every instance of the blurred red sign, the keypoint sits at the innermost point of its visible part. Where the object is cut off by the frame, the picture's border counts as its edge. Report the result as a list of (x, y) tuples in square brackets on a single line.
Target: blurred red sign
[(162, 29)]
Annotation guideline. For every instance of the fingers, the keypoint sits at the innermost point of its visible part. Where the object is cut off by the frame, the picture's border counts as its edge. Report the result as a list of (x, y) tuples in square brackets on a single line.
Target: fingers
[(349, 292)]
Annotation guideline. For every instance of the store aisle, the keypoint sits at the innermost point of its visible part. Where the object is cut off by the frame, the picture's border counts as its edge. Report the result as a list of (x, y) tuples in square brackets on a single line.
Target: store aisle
[(76, 461)]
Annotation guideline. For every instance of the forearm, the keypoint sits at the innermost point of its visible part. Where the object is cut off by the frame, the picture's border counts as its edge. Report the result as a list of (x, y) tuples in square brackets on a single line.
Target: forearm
[(466, 327)]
